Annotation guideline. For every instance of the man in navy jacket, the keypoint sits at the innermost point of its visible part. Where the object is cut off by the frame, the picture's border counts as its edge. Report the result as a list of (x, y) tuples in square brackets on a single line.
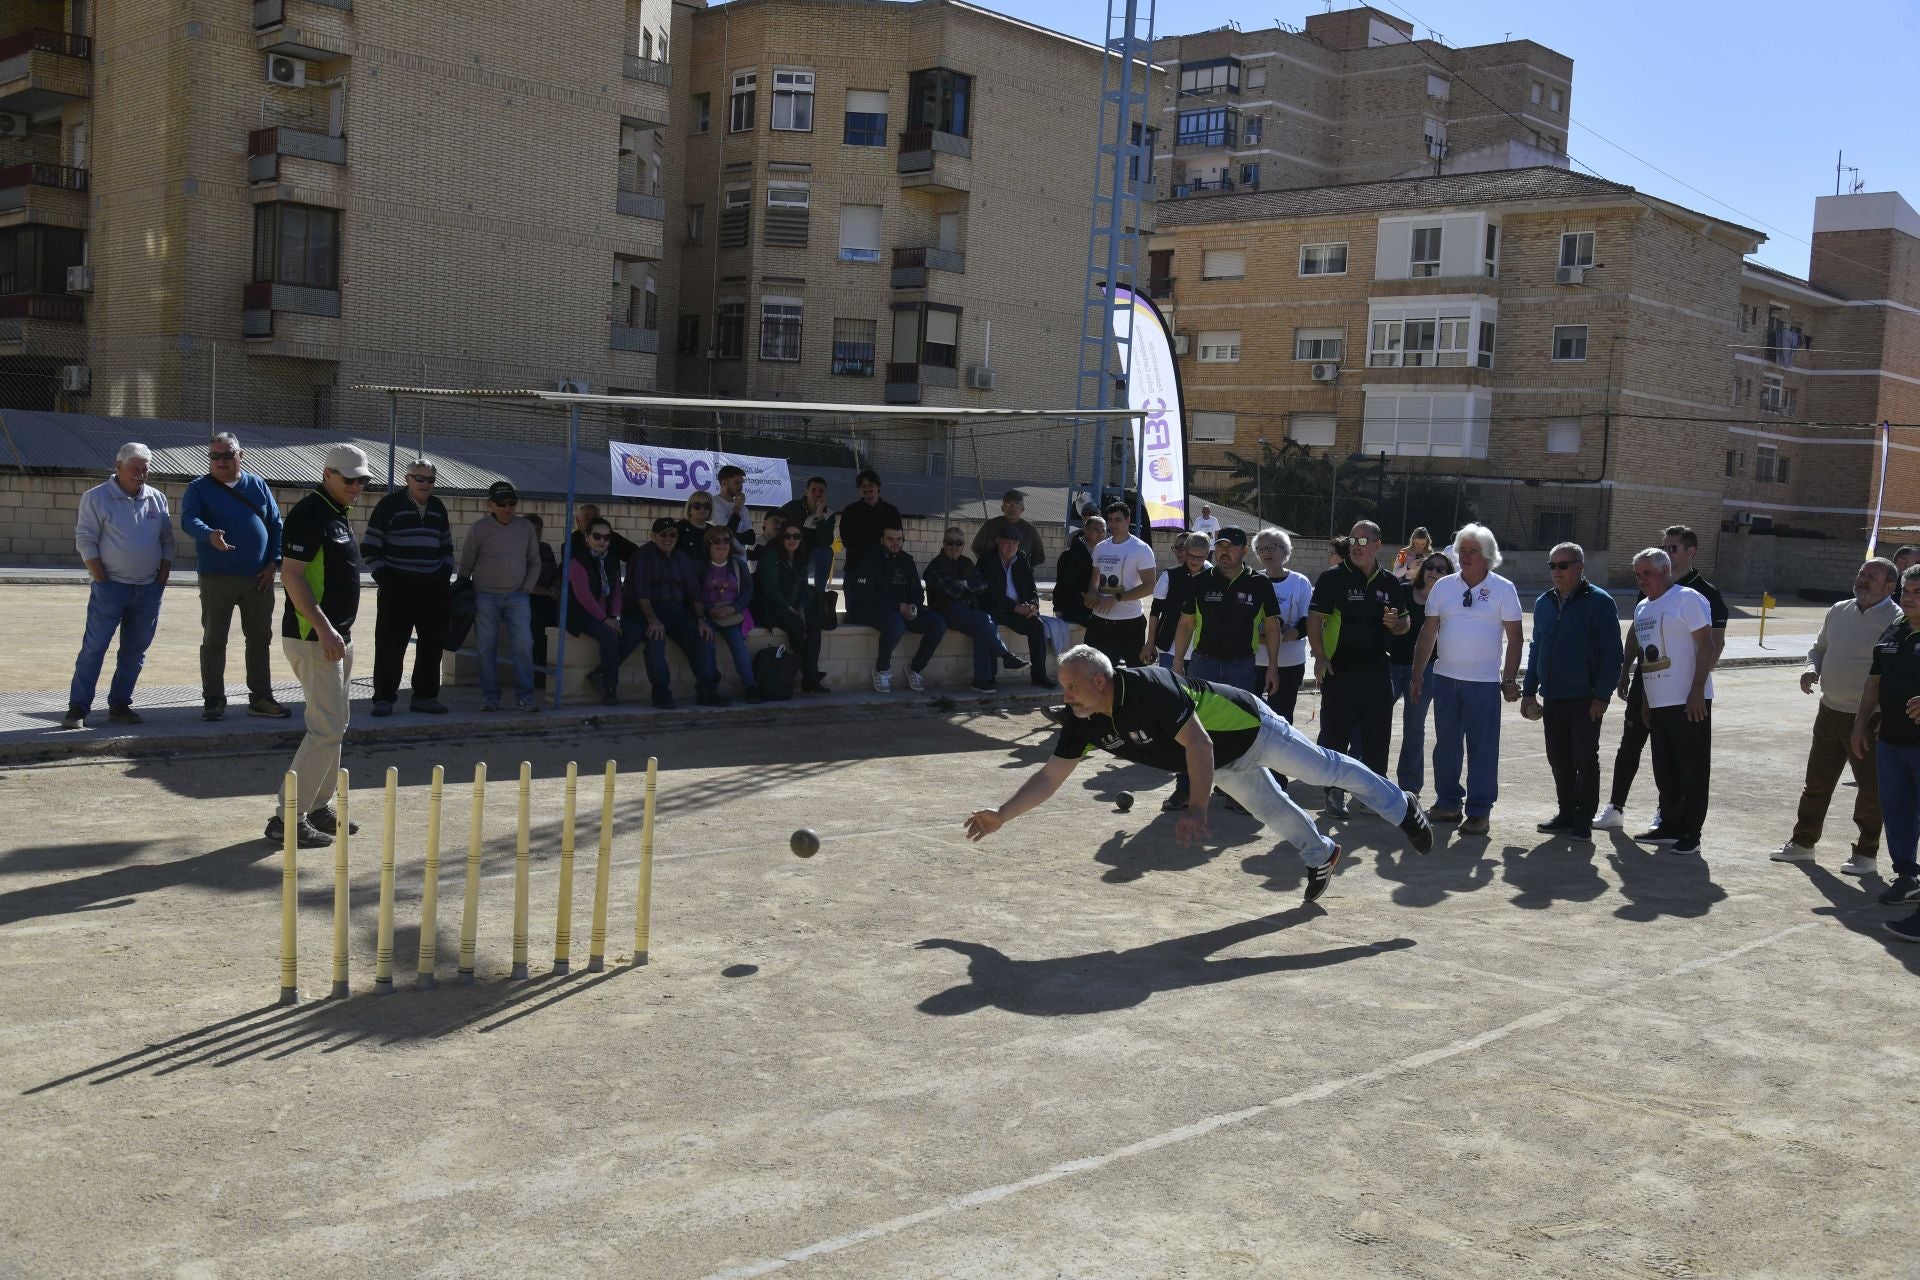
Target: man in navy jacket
[(884, 592), (235, 525), (1572, 667)]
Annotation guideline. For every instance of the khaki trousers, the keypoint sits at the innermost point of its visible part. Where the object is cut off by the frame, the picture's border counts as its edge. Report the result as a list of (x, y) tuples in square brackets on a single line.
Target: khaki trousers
[(326, 685), (1829, 753)]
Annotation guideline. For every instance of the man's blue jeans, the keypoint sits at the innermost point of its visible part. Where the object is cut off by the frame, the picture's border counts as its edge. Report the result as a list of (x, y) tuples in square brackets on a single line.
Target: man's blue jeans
[(821, 563), (514, 611), (681, 628), (133, 611), (928, 625), (985, 634), (1899, 768), (1466, 715), (1235, 673)]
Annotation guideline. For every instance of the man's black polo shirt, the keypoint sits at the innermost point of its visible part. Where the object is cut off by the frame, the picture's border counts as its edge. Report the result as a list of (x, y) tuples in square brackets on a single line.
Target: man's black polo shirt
[(1353, 636), (1896, 660), (1151, 705), (319, 533), (1228, 613)]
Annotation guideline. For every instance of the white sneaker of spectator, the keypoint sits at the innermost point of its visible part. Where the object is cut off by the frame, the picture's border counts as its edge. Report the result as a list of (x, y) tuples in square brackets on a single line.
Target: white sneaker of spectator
[(883, 682), (1610, 819)]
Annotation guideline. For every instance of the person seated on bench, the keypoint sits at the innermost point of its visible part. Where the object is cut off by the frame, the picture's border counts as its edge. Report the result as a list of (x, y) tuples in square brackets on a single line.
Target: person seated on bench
[(726, 589), (883, 592), (593, 609), (663, 600), (954, 588), (771, 523), (782, 599), (695, 519), (1013, 602)]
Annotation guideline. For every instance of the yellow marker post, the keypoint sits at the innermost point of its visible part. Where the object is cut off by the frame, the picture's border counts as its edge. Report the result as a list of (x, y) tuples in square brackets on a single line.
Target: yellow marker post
[(383, 945), (520, 865), (341, 892), (430, 891), (563, 916), (597, 943), (470, 919), (1766, 602), (290, 893), (643, 906)]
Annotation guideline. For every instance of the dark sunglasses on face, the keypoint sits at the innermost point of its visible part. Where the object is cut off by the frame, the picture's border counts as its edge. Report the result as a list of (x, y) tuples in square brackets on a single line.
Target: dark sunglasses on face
[(1673, 551), (421, 479), (953, 542), (355, 480), (789, 537), (1561, 566), (223, 455), (1362, 542), (598, 537)]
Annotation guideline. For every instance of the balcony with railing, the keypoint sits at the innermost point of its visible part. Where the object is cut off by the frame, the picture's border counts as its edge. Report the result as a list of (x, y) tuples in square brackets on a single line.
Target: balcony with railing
[(649, 70), (313, 29), (267, 147), (42, 69), (626, 337), (261, 301), (638, 204), (1202, 186), (931, 160), (644, 90), (911, 266), (905, 381), (54, 194)]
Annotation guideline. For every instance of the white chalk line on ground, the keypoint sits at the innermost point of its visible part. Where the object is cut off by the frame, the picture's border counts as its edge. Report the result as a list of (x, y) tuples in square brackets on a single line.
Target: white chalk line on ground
[(1200, 1128)]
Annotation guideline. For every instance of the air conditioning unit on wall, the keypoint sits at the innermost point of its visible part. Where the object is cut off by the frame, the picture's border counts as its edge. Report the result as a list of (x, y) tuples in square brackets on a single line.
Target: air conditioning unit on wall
[(75, 377), (1326, 372), (289, 73), (1569, 275), (980, 378), (1179, 344), (13, 125), (79, 279)]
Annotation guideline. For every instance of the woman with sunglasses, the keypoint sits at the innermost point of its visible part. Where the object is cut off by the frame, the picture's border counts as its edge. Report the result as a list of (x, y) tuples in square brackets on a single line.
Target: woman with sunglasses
[(1410, 769), (726, 589), (593, 608), (696, 517), (782, 599)]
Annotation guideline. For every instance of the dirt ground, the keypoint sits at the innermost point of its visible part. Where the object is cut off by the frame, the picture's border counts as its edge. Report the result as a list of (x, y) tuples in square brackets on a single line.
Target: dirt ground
[(1072, 1051)]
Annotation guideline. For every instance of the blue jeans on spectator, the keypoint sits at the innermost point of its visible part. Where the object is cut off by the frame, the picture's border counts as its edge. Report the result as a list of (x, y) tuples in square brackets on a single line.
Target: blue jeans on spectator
[(821, 563), (1410, 771), (735, 638), (928, 625), (1899, 769), (133, 611), (985, 634), (514, 611), (1466, 714), (1237, 673), (616, 645), (682, 628)]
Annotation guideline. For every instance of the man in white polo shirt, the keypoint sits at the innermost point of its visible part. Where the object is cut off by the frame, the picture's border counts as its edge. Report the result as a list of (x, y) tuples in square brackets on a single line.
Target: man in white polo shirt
[(1672, 640), (1123, 576), (1470, 616)]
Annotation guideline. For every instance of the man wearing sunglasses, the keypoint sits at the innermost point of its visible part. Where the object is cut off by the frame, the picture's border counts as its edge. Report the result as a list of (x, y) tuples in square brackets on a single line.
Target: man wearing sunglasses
[(1356, 606), (320, 568), (408, 547), (235, 525), (1572, 666)]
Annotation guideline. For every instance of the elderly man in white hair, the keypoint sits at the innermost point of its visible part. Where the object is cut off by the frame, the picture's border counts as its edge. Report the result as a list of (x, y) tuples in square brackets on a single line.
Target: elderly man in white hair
[(1474, 618), (1221, 736), (124, 533)]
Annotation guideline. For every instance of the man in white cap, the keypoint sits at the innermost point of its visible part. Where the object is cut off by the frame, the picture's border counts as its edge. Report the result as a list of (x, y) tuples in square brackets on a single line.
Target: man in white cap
[(320, 567)]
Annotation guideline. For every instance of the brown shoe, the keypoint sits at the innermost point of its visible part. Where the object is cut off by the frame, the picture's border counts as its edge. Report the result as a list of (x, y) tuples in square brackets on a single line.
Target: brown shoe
[(1474, 826), (268, 709)]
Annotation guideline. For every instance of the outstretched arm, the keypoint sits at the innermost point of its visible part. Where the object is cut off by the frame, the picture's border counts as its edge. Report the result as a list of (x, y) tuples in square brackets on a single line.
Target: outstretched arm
[(1034, 792)]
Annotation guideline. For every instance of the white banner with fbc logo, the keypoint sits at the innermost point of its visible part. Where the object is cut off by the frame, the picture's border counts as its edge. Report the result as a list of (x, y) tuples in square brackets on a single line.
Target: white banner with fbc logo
[(646, 471), (1153, 384)]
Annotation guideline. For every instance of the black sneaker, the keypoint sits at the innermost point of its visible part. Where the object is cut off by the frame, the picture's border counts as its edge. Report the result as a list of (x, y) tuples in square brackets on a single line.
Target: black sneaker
[(1907, 930), (214, 711), (382, 708), (663, 702), (327, 822), (1558, 824), (988, 687), (1419, 830), (1319, 877), (306, 836), (1905, 888), (1013, 663), (597, 684), (1336, 804), (1686, 844), (1655, 836), (124, 715), (428, 706), (1174, 802)]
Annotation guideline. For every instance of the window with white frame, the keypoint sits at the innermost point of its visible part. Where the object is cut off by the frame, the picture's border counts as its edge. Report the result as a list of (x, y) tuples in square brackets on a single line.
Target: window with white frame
[(1766, 462), (1223, 264), (1319, 344), (1569, 342), (1250, 129), (1563, 435), (792, 100), (1323, 259), (1414, 342), (1424, 260), (740, 105), (780, 329), (1438, 426), (1772, 394), (1436, 138), (789, 210), (1492, 254), (1316, 430), (1208, 427), (1576, 249), (1219, 346), (860, 233), (1439, 87)]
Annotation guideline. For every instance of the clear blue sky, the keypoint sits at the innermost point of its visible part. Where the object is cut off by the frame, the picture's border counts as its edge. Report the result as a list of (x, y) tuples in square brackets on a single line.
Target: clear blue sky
[(1747, 102)]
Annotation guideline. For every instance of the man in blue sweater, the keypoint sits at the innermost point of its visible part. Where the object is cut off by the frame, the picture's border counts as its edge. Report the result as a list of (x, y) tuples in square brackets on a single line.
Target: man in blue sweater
[(235, 525), (408, 548), (1573, 665)]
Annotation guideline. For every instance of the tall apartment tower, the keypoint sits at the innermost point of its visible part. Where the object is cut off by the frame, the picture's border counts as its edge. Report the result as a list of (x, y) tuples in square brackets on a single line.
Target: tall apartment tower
[(887, 204), (243, 210), (1352, 97)]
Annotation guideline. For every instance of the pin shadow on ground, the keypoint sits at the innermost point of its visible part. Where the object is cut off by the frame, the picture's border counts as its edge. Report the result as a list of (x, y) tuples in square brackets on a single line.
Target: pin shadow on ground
[(1104, 981)]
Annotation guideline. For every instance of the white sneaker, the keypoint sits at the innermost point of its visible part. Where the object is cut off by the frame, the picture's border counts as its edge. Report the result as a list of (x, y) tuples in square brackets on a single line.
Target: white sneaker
[(914, 682), (1859, 866), (1610, 819), (1791, 852), (883, 682)]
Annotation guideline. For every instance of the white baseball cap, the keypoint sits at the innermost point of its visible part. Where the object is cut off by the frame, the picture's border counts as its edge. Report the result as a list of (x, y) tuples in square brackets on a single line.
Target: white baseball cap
[(349, 461)]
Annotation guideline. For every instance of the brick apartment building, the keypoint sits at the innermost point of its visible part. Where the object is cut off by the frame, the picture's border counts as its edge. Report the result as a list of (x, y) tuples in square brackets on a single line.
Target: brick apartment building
[(887, 203), (261, 204), (1352, 97)]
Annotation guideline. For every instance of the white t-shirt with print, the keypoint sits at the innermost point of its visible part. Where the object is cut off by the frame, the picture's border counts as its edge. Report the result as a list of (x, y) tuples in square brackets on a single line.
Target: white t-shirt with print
[(1207, 525), (1117, 567), (1665, 630), (1294, 592), (1471, 634)]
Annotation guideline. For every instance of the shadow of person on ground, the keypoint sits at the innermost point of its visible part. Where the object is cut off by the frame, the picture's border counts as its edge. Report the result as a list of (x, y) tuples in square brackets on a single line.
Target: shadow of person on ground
[(1103, 981), (1854, 906), (234, 869), (1656, 883), (1131, 854), (1555, 870), (1430, 879)]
